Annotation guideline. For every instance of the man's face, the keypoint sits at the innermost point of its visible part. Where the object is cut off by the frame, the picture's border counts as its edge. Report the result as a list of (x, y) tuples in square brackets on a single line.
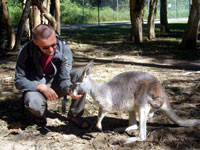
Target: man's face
[(47, 46)]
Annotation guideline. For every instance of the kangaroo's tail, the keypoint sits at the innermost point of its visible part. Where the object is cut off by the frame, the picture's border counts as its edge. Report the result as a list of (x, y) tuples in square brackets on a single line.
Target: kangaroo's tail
[(166, 108)]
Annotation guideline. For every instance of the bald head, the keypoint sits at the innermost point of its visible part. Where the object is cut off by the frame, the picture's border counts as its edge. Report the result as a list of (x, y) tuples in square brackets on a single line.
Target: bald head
[(42, 31)]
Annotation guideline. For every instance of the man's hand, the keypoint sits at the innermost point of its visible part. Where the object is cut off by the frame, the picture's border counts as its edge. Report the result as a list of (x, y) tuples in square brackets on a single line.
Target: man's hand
[(74, 96), (48, 92)]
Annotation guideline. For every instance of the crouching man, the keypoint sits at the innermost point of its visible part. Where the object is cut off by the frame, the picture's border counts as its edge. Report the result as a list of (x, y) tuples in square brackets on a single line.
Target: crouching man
[(43, 72)]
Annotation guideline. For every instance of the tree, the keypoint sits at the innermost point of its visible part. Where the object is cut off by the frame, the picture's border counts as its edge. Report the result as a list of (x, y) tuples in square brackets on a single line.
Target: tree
[(2, 30), (39, 11), (57, 4), (151, 19), (36, 16), (136, 13), (44, 11), (26, 12), (191, 33), (163, 17), (10, 30), (27, 22)]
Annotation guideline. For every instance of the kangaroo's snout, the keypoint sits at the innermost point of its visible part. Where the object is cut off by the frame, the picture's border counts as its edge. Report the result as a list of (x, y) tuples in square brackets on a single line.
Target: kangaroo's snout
[(76, 89)]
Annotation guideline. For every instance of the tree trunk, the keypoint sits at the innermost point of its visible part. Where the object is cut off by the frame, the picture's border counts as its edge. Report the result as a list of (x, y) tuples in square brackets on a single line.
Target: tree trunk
[(36, 16), (189, 40), (57, 15), (3, 31), (27, 29), (30, 18), (46, 3), (11, 33), (136, 13), (46, 14), (163, 17), (24, 16), (151, 19), (27, 23)]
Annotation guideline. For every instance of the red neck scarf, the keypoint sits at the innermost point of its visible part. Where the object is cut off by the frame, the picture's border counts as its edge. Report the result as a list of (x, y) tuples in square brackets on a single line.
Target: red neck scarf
[(45, 62)]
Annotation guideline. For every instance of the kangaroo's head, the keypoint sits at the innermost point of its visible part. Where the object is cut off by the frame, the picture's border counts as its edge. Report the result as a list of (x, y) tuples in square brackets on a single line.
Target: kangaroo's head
[(82, 85)]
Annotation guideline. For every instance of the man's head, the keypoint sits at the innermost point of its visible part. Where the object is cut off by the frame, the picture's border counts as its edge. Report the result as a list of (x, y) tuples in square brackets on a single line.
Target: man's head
[(45, 38)]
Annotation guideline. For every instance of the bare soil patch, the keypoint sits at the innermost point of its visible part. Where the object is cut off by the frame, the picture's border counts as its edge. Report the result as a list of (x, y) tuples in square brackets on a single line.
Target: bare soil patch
[(179, 77)]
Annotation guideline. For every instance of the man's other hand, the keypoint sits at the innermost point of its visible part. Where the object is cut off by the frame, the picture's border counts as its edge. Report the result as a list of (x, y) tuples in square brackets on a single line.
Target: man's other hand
[(48, 92)]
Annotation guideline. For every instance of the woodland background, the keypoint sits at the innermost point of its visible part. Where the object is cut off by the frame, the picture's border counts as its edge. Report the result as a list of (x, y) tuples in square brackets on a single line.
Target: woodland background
[(136, 35), (27, 14)]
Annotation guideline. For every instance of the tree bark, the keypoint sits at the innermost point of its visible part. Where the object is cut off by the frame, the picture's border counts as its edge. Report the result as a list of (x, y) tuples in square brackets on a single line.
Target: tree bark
[(189, 40), (27, 23), (36, 16), (57, 16), (151, 19), (46, 4), (136, 13), (11, 33), (24, 17), (163, 17), (46, 14), (3, 31)]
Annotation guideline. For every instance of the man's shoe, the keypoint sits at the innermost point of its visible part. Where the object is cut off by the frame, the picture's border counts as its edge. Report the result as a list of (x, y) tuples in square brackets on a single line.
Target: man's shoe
[(41, 121), (78, 121)]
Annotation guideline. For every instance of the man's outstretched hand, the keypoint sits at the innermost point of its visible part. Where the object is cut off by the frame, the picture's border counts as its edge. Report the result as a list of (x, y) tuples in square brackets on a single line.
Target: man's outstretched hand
[(48, 92), (74, 96), (51, 95)]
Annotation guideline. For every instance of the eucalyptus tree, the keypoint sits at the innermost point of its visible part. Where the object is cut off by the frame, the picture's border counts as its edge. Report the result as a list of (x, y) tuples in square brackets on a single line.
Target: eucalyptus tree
[(151, 19), (163, 17), (25, 14), (136, 13), (190, 38), (10, 30), (40, 13)]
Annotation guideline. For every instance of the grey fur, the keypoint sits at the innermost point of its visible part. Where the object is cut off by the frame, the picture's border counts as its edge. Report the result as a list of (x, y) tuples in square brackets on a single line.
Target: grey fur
[(135, 92)]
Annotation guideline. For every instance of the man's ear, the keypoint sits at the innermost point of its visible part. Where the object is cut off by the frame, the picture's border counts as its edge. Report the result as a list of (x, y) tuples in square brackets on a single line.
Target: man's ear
[(87, 70), (35, 42)]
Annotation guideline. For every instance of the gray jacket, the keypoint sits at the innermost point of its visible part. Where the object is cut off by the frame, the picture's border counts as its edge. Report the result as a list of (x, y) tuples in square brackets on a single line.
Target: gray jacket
[(29, 73)]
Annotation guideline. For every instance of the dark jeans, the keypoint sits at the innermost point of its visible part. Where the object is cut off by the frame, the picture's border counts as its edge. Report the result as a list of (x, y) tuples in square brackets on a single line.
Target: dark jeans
[(36, 102)]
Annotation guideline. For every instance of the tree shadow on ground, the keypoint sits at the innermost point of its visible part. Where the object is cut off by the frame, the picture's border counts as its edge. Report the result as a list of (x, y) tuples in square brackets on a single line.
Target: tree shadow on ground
[(8, 58), (189, 67)]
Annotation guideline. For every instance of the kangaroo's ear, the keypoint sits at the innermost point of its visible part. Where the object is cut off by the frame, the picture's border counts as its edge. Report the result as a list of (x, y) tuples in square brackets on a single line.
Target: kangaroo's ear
[(87, 70)]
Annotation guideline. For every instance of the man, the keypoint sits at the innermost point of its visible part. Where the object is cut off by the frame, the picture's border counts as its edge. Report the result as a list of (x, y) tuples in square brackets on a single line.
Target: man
[(43, 72)]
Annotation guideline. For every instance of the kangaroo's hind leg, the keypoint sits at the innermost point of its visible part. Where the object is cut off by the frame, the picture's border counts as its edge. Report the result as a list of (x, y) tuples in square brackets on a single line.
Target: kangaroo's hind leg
[(101, 115), (143, 115), (132, 123)]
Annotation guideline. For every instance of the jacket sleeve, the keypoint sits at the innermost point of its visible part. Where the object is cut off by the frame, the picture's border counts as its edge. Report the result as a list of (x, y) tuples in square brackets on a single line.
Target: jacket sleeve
[(21, 80), (65, 69)]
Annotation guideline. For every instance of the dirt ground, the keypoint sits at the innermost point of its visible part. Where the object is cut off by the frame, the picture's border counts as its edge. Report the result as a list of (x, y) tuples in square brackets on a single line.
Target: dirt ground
[(180, 79)]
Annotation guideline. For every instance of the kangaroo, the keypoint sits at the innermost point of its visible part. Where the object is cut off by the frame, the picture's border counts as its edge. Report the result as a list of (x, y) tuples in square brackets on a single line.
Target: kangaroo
[(133, 91)]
